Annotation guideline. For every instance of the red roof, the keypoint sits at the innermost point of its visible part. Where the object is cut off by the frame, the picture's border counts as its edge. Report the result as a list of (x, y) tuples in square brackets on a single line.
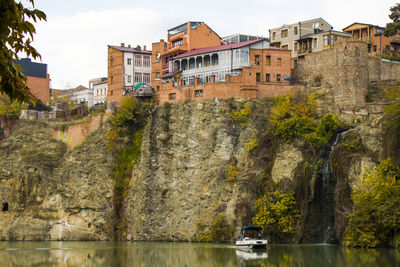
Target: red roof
[(218, 48), (169, 74)]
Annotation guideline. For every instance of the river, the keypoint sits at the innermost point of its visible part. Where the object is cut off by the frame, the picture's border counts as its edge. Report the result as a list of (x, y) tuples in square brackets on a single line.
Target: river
[(187, 254)]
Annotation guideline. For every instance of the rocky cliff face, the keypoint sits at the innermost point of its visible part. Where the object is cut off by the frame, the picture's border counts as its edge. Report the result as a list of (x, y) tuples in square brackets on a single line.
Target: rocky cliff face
[(180, 179), (51, 192)]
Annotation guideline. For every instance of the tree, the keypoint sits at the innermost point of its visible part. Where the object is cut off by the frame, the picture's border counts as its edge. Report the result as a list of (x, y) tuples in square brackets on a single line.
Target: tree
[(16, 36), (277, 213), (393, 28)]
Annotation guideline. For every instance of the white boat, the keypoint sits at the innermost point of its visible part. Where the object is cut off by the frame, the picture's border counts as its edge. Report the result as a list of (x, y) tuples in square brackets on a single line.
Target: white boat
[(251, 242)]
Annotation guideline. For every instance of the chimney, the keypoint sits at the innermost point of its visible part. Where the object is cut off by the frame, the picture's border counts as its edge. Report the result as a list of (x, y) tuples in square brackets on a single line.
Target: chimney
[(144, 48), (129, 46), (138, 47), (122, 44)]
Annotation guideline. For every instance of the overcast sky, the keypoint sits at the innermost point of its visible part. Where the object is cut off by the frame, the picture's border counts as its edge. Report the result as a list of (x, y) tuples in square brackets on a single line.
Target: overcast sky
[(73, 41)]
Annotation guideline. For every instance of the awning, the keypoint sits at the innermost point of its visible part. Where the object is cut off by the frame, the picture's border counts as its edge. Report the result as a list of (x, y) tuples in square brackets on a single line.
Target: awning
[(251, 228)]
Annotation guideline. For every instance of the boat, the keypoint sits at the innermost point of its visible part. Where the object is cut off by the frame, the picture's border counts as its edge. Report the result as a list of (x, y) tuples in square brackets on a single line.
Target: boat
[(247, 241)]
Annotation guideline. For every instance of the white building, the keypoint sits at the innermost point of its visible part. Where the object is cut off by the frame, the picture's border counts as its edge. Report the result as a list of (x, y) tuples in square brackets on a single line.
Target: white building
[(80, 95), (218, 60), (99, 88)]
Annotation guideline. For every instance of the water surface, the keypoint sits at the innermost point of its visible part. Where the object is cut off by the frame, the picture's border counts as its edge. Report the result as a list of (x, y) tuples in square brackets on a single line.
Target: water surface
[(187, 254)]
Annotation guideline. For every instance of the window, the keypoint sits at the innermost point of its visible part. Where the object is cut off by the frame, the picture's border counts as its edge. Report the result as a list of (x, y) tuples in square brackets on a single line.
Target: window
[(157, 75), (138, 60), (268, 60), (273, 36), (172, 96), (374, 48), (279, 62), (257, 59), (158, 88), (112, 78), (138, 77), (177, 43), (129, 61), (295, 30), (146, 77), (112, 92), (198, 93), (129, 78), (315, 42), (146, 61), (295, 47), (284, 33), (111, 60), (278, 77), (267, 77), (258, 77)]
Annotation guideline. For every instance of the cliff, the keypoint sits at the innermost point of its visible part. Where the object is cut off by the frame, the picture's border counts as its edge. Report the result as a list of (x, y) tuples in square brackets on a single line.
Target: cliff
[(51, 192), (182, 179)]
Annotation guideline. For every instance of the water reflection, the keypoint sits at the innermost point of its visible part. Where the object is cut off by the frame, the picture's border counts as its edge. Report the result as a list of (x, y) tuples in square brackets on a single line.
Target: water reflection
[(186, 254)]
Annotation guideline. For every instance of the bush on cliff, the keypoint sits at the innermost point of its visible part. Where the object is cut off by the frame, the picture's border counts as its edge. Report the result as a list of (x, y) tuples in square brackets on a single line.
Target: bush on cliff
[(220, 231), (376, 215), (277, 213), (296, 117)]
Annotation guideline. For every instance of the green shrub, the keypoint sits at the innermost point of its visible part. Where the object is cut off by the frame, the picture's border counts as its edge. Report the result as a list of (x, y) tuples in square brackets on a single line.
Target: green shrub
[(233, 173), (10, 109), (220, 231), (251, 145), (376, 214), (241, 116), (277, 213)]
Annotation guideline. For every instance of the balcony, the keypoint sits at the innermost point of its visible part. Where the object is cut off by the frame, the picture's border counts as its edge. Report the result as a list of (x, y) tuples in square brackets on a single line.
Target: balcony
[(302, 52), (395, 40)]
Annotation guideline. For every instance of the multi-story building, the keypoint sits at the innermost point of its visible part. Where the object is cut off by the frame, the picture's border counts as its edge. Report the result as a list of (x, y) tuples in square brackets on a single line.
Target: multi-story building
[(286, 36), (77, 95), (127, 67), (38, 80), (180, 39), (248, 69), (99, 88), (373, 35), (238, 37), (319, 41)]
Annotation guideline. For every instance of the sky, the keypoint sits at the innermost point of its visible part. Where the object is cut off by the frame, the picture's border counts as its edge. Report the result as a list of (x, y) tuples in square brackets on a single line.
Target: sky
[(73, 41)]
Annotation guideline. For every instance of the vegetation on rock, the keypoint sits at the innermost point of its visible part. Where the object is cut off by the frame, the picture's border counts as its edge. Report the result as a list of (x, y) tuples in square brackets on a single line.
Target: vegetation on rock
[(124, 140), (277, 213), (241, 116), (220, 231), (376, 215)]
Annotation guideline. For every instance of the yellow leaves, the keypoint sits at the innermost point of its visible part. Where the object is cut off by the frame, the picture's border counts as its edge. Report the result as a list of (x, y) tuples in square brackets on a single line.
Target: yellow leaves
[(276, 212), (233, 173), (241, 116), (251, 144)]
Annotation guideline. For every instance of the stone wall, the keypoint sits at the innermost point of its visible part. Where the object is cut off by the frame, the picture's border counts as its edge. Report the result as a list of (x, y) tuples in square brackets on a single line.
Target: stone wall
[(347, 70)]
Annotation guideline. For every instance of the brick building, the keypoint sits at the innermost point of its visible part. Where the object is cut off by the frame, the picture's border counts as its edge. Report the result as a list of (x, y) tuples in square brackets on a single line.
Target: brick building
[(127, 67), (38, 80), (180, 39), (250, 69), (373, 36)]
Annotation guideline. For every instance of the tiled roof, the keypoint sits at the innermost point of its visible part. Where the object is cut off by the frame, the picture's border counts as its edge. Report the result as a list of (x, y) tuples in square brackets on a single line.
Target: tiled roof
[(217, 48), (129, 49), (371, 25)]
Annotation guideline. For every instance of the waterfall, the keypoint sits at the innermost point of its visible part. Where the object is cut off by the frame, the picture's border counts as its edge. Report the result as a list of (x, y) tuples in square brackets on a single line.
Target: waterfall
[(328, 194)]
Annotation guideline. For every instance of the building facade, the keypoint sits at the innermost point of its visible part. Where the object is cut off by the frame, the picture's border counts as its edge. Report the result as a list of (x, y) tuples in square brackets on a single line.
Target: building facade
[(38, 80), (316, 42), (373, 36), (237, 38), (286, 36), (127, 67), (180, 39), (249, 69), (99, 88)]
